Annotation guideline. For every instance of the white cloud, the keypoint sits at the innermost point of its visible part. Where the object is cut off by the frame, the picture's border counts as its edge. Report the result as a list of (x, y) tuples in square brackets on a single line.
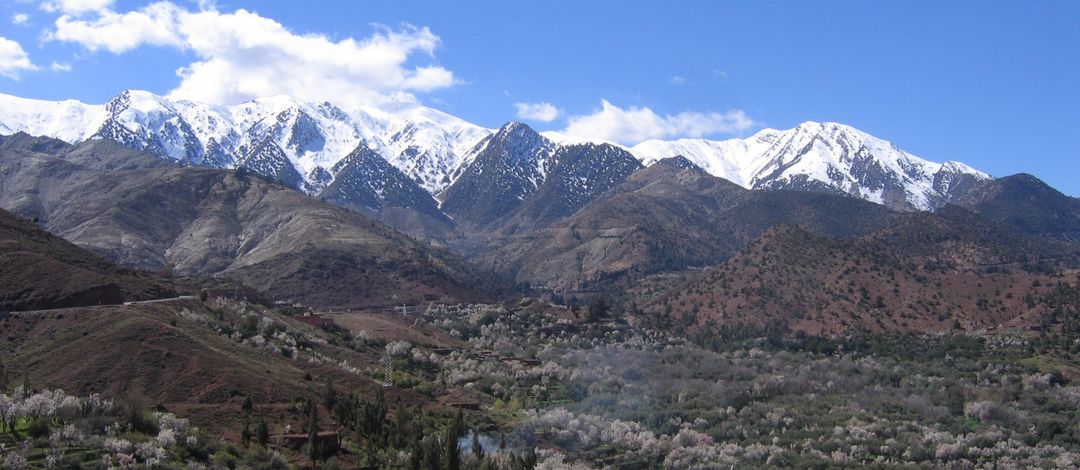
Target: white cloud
[(543, 112), (678, 80), (242, 55), (20, 18), (633, 125), (76, 7), (13, 59), (60, 67), (156, 24)]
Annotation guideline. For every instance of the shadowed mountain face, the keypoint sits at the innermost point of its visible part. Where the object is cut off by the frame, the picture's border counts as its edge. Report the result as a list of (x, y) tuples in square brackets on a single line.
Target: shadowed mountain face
[(923, 272), (581, 174), (365, 181), (508, 167), (42, 271), (520, 179), (199, 221), (1027, 204)]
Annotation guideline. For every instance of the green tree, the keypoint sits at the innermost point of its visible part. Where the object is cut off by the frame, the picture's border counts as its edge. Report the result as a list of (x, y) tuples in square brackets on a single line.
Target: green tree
[(314, 445), (373, 418), (262, 432), (477, 449), (246, 406), (245, 433), (458, 428), (330, 397), (451, 453), (599, 309), (416, 457), (432, 454)]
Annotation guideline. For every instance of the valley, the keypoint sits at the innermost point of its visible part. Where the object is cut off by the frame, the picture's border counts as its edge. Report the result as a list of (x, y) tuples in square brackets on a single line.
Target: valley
[(508, 299)]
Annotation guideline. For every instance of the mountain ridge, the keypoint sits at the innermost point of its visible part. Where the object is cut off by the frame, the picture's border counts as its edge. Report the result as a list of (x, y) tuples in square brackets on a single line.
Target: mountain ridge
[(435, 149)]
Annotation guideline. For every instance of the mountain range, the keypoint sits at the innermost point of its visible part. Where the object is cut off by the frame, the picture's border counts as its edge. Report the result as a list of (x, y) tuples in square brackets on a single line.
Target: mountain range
[(304, 145), (375, 206)]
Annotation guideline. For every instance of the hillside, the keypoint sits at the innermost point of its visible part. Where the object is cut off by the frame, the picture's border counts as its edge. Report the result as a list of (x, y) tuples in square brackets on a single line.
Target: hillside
[(669, 216), (211, 222), (1027, 204), (41, 271), (924, 273)]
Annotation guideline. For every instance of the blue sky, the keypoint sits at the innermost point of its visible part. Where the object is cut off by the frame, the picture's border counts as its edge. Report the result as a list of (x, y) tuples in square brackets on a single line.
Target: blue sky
[(993, 84)]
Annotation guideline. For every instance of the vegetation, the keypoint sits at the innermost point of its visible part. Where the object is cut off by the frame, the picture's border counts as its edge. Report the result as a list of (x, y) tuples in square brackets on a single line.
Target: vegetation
[(535, 385)]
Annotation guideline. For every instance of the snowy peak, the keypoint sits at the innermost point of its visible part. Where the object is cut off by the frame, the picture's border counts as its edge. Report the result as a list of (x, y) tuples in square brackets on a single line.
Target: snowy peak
[(268, 160), (146, 122), (524, 179), (827, 157), (70, 120), (521, 145), (364, 180), (424, 143), (506, 168), (428, 145), (578, 174), (300, 143)]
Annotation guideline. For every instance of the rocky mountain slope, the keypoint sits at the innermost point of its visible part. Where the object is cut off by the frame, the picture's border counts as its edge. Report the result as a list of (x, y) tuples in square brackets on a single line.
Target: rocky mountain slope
[(202, 221), (507, 167), (667, 217)]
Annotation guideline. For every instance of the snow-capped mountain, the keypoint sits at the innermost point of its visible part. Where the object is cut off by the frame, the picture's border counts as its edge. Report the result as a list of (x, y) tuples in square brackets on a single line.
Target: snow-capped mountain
[(521, 175), (366, 181), (823, 157), (302, 144), (69, 120), (262, 135), (504, 169), (427, 145)]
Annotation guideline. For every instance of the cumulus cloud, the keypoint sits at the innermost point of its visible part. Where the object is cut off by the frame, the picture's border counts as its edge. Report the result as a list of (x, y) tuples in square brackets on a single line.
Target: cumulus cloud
[(156, 24), (13, 59), (20, 18), (76, 7), (633, 125), (60, 67), (242, 55), (543, 112)]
